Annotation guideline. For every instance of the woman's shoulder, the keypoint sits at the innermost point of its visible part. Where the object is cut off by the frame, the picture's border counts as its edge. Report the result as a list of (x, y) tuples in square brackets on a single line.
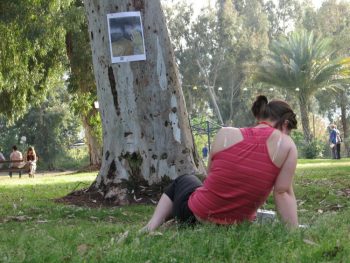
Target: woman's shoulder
[(226, 137), (227, 131)]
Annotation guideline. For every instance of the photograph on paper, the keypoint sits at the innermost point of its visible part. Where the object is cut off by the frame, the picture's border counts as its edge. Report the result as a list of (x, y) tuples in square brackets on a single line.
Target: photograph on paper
[(126, 39)]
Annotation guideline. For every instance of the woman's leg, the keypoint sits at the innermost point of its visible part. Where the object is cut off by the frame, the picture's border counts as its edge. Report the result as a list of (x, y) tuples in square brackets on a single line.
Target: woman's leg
[(30, 169), (162, 213)]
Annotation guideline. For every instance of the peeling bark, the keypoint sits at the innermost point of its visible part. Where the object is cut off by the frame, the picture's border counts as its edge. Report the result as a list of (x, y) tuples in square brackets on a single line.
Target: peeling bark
[(147, 138)]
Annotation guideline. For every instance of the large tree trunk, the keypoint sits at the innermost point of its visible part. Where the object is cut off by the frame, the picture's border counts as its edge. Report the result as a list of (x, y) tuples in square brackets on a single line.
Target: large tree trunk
[(94, 143), (146, 130), (304, 112), (343, 105)]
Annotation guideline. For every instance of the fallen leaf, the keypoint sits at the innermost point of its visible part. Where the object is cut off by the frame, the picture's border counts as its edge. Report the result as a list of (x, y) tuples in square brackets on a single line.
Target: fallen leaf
[(19, 218), (122, 237), (82, 249), (310, 242), (155, 233), (137, 241)]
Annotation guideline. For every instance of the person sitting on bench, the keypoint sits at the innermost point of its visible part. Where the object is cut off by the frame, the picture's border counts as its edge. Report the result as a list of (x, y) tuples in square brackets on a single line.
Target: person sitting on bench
[(2, 158), (16, 156), (31, 159)]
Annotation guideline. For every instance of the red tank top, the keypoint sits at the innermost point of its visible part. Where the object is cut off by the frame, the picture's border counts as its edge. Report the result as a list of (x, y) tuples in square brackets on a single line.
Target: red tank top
[(239, 181)]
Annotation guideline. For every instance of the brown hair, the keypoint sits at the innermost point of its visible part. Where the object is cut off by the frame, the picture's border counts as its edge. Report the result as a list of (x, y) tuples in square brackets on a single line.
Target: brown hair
[(31, 149), (275, 110)]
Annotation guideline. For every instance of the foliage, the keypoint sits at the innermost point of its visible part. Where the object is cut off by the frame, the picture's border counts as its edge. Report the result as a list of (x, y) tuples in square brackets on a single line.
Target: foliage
[(34, 228), (51, 128), (31, 53), (313, 149), (40, 35), (282, 16), (303, 64), (217, 50), (73, 158)]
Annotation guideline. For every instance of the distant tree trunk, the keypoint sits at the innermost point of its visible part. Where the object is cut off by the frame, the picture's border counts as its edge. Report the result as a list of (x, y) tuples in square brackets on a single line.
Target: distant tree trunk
[(343, 105), (215, 104), (94, 145), (235, 90), (146, 130), (303, 103)]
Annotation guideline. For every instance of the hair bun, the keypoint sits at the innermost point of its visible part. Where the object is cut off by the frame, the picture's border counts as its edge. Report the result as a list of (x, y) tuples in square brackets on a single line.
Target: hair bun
[(259, 107), (261, 99)]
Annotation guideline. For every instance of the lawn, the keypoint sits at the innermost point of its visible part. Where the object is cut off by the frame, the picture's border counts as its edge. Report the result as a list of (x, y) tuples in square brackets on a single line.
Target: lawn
[(33, 228)]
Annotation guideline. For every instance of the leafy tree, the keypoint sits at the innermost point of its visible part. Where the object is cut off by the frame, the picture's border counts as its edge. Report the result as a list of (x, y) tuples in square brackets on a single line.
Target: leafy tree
[(215, 53), (333, 20), (39, 36), (303, 64), (243, 34), (81, 81), (51, 128), (282, 16), (31, 52)]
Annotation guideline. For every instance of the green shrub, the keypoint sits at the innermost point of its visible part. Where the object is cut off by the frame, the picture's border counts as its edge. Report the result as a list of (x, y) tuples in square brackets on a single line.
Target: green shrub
[(314, 149)]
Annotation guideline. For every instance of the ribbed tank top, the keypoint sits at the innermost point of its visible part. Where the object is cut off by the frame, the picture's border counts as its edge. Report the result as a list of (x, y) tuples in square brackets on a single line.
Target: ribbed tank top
[(239, 181)]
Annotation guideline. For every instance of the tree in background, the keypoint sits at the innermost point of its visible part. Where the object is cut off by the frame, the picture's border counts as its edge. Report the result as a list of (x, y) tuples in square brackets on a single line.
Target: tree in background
[(332, 20), (81, 82), (243, 36), (303, 64), (51, 128), (30, 53), (38, 38), (216, 50)]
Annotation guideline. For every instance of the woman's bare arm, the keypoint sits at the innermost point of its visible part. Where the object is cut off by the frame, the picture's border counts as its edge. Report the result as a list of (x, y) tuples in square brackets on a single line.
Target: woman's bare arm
[(283, 190)]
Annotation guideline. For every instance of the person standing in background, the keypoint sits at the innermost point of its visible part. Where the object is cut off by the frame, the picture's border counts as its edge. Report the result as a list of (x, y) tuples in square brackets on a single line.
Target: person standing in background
[(205, 152), (338, 140), (333, 140)]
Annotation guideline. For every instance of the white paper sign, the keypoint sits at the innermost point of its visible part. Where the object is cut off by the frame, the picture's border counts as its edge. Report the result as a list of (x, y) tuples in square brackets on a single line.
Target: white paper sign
[(126, 39)]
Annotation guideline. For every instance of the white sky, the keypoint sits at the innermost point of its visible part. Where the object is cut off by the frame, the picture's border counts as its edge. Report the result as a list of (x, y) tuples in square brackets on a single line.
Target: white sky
[(198, 4)]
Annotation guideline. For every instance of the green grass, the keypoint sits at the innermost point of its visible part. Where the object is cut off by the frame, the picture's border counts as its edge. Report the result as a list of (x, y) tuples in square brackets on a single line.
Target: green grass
[(52, 232)]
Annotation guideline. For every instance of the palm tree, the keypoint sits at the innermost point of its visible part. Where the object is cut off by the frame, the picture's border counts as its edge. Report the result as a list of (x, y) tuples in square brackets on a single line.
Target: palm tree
[(303, 64)]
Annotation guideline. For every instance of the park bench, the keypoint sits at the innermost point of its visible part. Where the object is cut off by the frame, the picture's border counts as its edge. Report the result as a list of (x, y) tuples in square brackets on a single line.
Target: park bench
[(6, 167)]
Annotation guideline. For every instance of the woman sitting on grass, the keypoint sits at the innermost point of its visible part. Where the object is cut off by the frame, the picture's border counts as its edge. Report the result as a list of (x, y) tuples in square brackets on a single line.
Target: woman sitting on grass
[(244, 165)]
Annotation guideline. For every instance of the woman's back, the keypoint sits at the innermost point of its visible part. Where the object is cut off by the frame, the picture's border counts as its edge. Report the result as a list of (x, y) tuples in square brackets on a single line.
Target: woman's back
[(244, 166)]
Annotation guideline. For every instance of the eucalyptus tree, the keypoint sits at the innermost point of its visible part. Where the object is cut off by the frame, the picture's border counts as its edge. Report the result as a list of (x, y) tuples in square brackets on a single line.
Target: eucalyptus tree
[(180, 23), (215, 53), (243, 39), (146, 131), (283, 15), (303, 64)]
